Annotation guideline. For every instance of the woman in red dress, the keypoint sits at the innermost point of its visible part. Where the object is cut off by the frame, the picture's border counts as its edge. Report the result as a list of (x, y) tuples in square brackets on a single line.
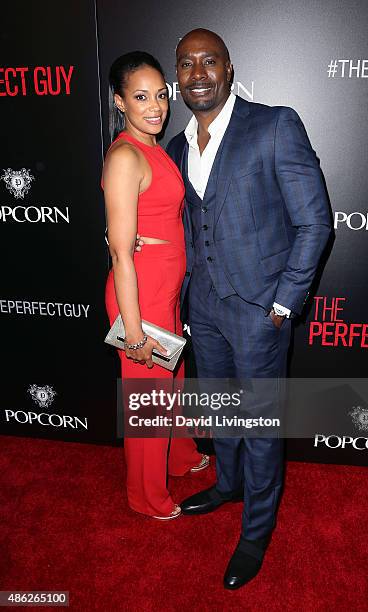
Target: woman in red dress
[(144, 194)]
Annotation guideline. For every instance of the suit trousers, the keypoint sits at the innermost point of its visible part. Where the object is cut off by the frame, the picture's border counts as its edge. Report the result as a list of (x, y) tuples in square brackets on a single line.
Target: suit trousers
[(233, 338)]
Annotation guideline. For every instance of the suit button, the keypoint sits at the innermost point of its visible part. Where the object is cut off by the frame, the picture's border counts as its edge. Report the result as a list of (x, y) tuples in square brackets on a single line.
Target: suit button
[(187, 274), (191, 244), (206, 243), (204, 209), (209, 258), (205, 227)]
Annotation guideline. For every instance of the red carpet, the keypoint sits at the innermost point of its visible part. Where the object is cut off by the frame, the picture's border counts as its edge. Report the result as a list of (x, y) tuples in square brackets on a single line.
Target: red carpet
[(65, 525)]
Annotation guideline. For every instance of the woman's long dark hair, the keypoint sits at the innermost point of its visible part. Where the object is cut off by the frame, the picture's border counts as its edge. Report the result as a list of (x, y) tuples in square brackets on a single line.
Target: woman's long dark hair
[(118, 74)]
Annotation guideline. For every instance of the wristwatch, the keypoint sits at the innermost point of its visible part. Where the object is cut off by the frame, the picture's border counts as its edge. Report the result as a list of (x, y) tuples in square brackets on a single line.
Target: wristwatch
[(279, 311)]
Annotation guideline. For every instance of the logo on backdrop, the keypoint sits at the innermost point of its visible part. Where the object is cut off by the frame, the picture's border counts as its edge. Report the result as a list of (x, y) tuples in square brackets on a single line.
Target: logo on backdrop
[(45, 309), (359, 417), (42, 396), (39, 81), (354, 221), (333, 441), (348, 69), (17, 181), (238, 88), (329, 329)]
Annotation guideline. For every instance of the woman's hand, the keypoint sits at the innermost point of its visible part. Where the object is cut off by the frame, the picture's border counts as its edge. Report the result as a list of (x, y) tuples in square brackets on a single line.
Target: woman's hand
[(138, 243), (144, 355)]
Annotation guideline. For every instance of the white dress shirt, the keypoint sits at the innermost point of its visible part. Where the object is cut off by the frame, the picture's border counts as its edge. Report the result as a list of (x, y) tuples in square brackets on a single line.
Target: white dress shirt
[(200, 166)]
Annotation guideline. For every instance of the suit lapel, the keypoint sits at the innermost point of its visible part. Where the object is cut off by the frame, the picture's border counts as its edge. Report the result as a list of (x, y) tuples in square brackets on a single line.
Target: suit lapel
[(183, 165), (234, 140), (183, 159)]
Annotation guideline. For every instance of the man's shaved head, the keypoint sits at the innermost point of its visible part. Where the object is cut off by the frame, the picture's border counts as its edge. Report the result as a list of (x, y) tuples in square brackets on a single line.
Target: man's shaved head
[(206, 35)]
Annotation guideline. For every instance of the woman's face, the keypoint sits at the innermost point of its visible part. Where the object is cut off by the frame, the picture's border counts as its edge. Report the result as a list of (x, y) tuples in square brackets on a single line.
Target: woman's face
[(144, 101)]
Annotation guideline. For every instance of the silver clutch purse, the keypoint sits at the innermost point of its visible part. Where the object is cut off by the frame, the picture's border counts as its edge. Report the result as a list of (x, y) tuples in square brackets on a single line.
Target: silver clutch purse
[(170, 341)]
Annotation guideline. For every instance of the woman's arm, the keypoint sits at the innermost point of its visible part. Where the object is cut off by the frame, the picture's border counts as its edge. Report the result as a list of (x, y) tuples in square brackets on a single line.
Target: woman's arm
[(122, 177)]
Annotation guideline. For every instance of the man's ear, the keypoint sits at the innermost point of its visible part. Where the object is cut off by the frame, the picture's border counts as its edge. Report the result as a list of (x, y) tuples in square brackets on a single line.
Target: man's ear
[(230, 71)]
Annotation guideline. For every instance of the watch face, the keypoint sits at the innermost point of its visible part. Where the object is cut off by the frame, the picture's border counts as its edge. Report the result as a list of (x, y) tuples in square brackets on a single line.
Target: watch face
[(279, 312)]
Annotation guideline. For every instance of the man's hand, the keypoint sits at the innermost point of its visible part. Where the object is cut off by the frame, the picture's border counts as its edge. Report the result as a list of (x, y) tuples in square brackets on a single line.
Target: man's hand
[(277, 320), (138, 243)]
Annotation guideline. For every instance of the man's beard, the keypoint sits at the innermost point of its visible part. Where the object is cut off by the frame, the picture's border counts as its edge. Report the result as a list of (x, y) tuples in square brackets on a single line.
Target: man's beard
[(200, 105)]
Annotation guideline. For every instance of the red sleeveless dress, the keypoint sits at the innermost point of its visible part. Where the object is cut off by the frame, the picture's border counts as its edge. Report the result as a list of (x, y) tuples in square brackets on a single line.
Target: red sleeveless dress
[(160, 270)]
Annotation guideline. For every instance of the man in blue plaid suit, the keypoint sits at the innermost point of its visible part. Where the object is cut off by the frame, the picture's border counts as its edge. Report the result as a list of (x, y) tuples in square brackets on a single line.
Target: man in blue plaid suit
[(256, 223)]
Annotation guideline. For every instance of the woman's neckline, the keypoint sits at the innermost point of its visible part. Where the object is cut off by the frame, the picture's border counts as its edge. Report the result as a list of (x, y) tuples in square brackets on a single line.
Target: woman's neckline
[(128, 135)]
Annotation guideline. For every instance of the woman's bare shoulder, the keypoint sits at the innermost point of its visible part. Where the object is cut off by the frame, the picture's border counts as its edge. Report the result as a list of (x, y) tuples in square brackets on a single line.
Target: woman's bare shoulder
[(123, 160), (123, 152)]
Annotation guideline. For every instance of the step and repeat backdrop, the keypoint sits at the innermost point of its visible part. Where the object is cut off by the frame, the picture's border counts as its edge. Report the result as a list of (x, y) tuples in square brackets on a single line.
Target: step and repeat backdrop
[(59, 380)]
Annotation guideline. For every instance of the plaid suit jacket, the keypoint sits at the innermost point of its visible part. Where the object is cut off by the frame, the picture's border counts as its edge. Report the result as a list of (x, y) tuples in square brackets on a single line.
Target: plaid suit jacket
[(272, 217)]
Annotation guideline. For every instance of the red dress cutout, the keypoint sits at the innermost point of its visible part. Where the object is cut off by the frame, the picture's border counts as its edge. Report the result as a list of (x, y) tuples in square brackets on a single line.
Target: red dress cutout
[(160, 271)]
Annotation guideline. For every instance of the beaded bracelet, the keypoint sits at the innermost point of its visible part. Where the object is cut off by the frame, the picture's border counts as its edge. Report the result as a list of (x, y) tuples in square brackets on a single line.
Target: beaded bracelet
[(137, 345)]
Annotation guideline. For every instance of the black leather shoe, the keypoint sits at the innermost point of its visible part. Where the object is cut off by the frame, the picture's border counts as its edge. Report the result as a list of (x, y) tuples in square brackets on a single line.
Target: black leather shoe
[(246, 562), (208, 501)]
